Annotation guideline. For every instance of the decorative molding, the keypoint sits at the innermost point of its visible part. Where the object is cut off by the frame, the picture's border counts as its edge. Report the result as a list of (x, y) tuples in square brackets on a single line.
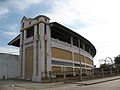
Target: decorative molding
[(33, 25), (63, 45)]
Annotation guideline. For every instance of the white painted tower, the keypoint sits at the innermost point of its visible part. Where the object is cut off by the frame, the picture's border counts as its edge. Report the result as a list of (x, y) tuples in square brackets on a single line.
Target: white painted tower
[(35, 47)]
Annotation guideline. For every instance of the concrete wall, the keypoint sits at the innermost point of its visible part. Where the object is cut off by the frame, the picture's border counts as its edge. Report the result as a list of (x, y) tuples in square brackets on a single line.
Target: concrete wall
[(9, 66)]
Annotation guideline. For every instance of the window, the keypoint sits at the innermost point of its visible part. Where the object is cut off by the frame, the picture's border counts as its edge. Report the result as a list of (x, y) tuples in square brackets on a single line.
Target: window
[(22, 25), (45, 31), (88, 66), (81, 44), (62, 63), (45, 19), (78, 65), (75, 41), (37, 19), (60, 35), (29, 23), (30, 32), (37, 28), (87, 48)]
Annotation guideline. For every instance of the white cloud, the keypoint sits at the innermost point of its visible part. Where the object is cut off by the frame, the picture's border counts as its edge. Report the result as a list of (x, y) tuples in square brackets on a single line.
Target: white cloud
[(12, 30), (62, 12), (13, 26), (103, 18), (3, 11), (9, 50), (105, 38), (33, 1), (88, 11), (23, 4), (18, 5), (10, 33)]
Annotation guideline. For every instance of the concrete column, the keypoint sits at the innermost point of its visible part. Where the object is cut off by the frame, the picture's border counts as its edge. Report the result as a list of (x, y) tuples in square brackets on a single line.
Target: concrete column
[(35, 49), (48, 48), (41, 60), (73, 63), (23, 69), (80, 61), (39, 55), (71, 40), (83, 46), (21, 51), (79, 46), (64, 72), (85, 65), (72, 56), (37, 65)]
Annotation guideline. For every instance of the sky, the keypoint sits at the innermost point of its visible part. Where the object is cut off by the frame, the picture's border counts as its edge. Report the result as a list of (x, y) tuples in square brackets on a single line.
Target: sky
[(96, 20)]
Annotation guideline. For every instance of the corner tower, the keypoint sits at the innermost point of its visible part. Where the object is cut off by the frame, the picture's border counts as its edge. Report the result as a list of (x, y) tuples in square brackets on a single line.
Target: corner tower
[(35, 50)]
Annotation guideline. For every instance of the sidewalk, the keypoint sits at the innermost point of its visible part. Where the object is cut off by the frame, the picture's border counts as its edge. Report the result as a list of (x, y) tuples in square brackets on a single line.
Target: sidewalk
[(28, 85), (96, 81)]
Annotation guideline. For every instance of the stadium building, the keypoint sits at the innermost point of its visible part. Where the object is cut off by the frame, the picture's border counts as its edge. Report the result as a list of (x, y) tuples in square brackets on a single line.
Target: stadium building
[(52, 50)]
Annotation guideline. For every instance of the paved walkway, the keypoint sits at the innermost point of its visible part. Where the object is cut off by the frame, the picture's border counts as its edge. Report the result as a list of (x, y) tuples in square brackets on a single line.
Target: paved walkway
[(96, 81), (28, 85)]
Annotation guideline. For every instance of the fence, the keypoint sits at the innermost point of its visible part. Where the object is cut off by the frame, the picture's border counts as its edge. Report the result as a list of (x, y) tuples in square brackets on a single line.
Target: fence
[(72, 76), (65, 76)]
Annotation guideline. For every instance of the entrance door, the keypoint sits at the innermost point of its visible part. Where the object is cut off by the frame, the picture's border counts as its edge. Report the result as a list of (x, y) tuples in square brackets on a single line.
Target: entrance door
[(29, 63)]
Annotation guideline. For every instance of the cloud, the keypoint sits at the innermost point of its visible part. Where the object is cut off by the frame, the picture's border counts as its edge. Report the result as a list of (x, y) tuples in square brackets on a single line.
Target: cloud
[(10, 33), (13, 26), (86, 11), (22, 5), (105, 38), (9, 29), (18, 5), (99, 20), (9, 50), (3, 11), (62, 12), (102, 18)]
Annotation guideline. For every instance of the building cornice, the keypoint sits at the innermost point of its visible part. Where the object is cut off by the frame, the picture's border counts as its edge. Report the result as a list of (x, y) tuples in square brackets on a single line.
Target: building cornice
[(33, 25)]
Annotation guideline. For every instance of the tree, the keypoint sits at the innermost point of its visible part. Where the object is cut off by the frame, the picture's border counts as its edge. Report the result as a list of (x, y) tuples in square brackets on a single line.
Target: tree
[(117, 60), (117, 63), (105, 66)]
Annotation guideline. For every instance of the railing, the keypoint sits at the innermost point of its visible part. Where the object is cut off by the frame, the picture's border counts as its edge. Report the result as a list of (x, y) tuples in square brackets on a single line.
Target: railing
[(27, 40), (72, 76), (61, 42), (59, 76), (67, 45)]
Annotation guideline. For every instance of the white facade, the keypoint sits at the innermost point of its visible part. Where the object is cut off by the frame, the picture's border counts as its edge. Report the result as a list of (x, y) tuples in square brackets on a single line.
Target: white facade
[(9, 66), (38, 43), (42, 44)]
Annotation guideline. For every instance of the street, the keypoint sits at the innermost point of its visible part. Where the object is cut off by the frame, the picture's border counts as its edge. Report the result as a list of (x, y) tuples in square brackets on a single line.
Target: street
[(111, 85), (28, 85)]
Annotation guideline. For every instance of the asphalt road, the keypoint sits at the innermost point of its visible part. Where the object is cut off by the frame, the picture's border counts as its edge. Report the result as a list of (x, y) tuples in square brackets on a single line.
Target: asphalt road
[(111, 85), (23, 85)]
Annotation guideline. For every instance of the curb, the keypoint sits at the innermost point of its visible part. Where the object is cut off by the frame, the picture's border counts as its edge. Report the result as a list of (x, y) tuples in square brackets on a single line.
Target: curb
[(86, 84)]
